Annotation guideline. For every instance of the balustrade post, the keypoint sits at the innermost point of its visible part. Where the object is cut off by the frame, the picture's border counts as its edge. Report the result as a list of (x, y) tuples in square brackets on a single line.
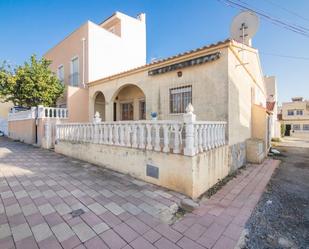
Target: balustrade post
[(149, 138), (134, 136), (105, 134), (110, 134), (121, 135), (41, 111), (128, 135), (176, 149), (141, 136), (189, 119), (157, 138), (116, 135), (166, 147), (200, 138), (204, 137)]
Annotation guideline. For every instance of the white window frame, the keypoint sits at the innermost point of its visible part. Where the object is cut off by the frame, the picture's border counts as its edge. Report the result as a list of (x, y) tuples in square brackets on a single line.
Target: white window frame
[(76, 57), (58, 75)]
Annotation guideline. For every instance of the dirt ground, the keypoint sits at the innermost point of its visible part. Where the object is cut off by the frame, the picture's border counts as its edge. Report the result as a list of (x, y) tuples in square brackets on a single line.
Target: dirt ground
[(281, 218)]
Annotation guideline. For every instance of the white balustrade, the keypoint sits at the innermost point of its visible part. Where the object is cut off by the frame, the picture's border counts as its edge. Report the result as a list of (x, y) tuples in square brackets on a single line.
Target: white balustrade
[(22, 115), (189, 137)]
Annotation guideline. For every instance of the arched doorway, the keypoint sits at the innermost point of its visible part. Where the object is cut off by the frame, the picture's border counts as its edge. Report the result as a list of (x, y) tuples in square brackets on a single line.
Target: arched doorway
[(129, 104), (99, 105)]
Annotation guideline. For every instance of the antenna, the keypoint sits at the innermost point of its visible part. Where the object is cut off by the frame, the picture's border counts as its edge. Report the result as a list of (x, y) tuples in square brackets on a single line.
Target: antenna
[(243, 28)]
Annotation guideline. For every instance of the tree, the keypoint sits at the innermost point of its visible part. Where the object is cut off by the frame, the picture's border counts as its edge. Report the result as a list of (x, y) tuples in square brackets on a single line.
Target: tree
[(31, 84)]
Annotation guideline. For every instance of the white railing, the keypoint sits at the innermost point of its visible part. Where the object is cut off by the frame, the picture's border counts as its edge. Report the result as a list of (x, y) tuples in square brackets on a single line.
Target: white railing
[(52, 112), (189, 137), (22, 115), (165, 136)]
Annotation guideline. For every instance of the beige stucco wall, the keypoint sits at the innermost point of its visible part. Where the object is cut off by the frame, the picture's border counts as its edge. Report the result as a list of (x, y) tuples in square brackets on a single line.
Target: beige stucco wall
[(189, 175), (22, 130), (239, 101), (259, 123), (77, 104), (209, 89), (66, 50)]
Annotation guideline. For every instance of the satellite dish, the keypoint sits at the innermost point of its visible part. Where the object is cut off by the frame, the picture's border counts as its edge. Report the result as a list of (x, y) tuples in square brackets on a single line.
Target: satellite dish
[(244, 26)]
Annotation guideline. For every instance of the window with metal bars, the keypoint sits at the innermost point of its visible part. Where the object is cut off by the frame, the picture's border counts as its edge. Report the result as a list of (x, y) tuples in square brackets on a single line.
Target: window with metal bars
[(180, 97)]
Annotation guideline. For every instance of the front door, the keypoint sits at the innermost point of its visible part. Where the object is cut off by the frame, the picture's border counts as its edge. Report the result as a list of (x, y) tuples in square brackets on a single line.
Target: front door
[(127, 111), (287, 130)]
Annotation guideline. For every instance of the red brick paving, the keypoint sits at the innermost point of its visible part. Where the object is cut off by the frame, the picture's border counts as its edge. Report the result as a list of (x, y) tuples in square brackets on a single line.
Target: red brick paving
[(216, 223)]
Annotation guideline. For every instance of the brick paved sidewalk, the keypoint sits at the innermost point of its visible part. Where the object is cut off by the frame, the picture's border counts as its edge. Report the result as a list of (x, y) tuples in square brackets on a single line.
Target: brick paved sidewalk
[(40, 188)]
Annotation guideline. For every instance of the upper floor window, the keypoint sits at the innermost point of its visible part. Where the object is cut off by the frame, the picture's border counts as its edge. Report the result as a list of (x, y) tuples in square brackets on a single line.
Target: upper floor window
[(296, 127), (60, 73), (299, 112), (290, 112), (306, 127), (74, 77), (180, 98)]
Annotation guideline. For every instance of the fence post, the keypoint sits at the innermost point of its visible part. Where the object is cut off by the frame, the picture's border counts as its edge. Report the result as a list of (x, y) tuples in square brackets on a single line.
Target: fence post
[(96, 121), (41, 111), (189, 118)]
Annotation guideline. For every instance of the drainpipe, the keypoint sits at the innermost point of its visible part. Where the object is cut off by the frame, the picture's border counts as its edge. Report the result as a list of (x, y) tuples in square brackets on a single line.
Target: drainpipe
[(83, 79)]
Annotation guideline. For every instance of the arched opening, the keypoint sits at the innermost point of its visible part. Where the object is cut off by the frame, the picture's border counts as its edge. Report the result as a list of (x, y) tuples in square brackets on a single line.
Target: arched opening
[(99, 105), (129, 104)]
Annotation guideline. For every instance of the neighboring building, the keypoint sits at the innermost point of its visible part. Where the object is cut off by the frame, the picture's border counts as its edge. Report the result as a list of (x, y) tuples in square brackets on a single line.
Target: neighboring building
[(295, 117), (94, 51), (272, 105)]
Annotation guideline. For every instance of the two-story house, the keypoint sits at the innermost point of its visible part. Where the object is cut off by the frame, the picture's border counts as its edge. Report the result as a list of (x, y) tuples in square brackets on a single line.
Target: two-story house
[(295, 117), (94, 51)]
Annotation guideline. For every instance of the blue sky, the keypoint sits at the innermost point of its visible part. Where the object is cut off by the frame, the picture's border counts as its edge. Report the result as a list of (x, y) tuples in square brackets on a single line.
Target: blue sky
[(173, 26)]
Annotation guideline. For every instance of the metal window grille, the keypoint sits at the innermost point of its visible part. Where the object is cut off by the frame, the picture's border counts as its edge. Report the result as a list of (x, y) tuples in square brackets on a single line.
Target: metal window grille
[(180, 97), (296, 127)]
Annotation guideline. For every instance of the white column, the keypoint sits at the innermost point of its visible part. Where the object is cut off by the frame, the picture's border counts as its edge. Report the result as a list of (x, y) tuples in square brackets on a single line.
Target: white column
[(189, 117)]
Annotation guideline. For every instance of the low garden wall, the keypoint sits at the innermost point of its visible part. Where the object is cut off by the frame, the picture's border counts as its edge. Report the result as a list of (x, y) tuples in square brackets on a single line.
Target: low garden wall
[(190, 175)]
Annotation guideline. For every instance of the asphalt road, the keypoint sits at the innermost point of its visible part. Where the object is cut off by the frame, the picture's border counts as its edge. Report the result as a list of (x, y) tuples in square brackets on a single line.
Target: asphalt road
[(281, 218)]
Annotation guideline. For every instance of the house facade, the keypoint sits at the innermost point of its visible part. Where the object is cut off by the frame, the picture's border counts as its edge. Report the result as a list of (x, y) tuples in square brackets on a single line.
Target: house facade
[(94, 51), (295, 117), (213, 78)]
